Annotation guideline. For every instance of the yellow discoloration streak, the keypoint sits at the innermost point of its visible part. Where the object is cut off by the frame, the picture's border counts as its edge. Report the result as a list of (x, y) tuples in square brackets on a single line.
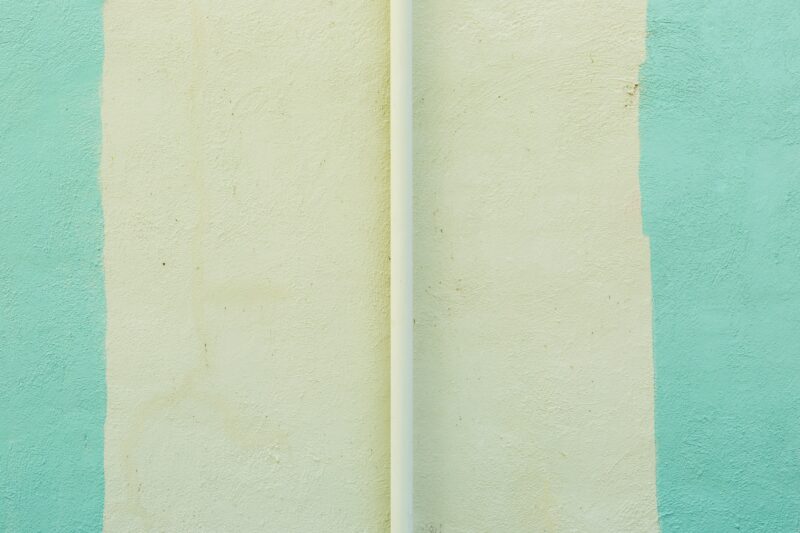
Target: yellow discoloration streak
[(247, 297)]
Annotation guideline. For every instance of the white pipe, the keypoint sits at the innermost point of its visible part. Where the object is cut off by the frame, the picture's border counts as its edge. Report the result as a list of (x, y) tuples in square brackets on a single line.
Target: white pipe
[(401, 294)]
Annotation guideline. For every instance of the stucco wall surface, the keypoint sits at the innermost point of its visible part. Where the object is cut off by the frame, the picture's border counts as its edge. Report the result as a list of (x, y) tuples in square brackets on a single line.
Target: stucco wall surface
[(52, 308), (534, 408), (245, 188), (194, 254), (721, 189)]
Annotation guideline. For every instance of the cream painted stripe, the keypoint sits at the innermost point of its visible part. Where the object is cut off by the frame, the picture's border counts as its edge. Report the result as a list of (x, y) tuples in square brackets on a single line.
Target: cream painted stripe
[(534, 395), (245, 187)]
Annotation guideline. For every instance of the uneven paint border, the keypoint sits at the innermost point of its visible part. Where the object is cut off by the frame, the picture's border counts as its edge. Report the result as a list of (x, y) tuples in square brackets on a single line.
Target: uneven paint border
[(720, 176), (52, 304)]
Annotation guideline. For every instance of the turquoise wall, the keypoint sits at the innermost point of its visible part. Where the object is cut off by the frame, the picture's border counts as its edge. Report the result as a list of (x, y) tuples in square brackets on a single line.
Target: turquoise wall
[(720, 176), (52, 310)]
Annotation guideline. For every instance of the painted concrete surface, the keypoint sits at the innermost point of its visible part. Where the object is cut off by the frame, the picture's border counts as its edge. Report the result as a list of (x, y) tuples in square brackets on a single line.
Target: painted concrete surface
[(245, 189), (720, 181), (52, 309), (533, 365), (236, 306)]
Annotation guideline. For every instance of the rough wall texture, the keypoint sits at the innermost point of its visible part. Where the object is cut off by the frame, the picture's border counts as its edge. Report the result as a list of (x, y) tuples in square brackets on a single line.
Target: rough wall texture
[(533, 365), (721, 189), (52, 308), (241, 298), (245, 188)]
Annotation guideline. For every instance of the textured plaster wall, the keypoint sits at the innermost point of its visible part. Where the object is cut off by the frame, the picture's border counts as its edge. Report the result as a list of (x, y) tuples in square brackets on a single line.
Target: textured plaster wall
[(721, 189), (533, 376), (52, 308), (245, 189), (240, 292)]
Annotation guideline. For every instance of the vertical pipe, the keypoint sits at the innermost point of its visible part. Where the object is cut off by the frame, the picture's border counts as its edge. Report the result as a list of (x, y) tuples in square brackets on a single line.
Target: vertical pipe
[(401, 268)]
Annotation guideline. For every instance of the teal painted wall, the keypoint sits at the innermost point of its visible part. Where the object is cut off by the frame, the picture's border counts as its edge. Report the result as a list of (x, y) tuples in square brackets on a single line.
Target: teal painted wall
[(720, 175), (52, 309)]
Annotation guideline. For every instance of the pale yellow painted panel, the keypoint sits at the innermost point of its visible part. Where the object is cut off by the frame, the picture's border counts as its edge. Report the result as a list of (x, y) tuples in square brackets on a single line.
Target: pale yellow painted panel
[(534, 390), (245, 193)]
